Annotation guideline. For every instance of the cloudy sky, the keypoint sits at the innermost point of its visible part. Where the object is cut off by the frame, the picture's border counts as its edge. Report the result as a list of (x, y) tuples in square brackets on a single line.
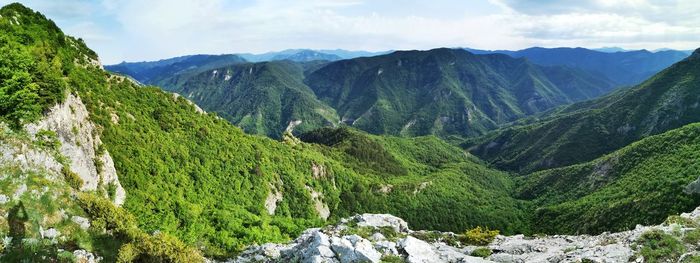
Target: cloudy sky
[(137, 30)]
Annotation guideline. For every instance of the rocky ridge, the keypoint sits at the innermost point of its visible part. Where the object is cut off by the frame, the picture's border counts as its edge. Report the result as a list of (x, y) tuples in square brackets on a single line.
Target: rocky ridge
[(386, 238)]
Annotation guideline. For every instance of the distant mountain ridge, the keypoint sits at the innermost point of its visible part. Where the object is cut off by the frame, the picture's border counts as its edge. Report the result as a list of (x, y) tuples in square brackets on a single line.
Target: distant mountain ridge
[(301, 55), (624, 67), (440, 91)]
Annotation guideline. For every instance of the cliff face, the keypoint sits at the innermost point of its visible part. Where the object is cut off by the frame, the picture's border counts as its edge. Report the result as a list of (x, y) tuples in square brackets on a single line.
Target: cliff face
[(80, 143), (78, 149)]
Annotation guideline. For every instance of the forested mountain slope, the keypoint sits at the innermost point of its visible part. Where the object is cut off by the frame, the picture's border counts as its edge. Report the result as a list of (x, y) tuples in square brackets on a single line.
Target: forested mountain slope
[(445, 91), (261, 98), (641, 183), (442, 92), (584, 131)]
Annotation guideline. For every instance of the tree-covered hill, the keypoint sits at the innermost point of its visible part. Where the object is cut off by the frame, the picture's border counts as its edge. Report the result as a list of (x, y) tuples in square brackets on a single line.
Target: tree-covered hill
[(584, 131), (261, 98), (445, 91), (641, 183)]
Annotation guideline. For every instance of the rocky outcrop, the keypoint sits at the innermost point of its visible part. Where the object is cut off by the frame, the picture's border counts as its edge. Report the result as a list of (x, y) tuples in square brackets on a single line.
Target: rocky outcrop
[(377, 238), (80, 143)]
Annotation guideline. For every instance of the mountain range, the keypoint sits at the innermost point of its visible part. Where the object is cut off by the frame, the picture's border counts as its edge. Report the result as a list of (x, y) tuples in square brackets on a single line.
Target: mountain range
[(441, 91), (97, 164), (623, 67)]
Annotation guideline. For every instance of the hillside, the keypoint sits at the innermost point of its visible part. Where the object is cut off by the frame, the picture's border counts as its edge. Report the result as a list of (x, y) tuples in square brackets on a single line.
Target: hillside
[(584, 131), (639, 184), (624, 68), (262, 98), (445, 91), (193, 181)]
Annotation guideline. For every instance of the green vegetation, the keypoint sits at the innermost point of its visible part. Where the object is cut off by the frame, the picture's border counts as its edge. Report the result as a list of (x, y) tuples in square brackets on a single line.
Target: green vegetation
[(34, 59), (392, 259), (642, 183), (657, 246), (482, 252), (262, 98), (479, 236), (442, 92), (584, 131)]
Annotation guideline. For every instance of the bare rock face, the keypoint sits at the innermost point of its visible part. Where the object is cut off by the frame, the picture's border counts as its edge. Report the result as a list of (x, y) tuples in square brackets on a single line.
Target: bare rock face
[(81, 144), (377, 238)]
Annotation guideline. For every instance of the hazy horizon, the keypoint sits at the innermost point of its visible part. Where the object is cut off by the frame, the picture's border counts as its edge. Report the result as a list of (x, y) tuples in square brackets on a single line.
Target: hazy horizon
[(129, 30)]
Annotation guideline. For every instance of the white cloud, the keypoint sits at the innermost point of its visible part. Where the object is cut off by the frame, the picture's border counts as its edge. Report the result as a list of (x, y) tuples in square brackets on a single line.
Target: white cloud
[(145, 30)]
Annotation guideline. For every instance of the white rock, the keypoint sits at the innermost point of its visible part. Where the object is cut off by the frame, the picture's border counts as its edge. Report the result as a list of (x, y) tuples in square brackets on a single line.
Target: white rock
[(82, 256), (4, 199), (418, 250), (84, 223), (382, 220), (354, 249), (50, 233)]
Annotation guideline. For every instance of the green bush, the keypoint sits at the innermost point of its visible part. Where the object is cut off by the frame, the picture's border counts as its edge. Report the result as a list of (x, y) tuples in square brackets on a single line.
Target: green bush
[(657, 246), (479, 236), (392, 259), (682, 221), (73, 180), (482, 252), (692, 237), (142, 247)]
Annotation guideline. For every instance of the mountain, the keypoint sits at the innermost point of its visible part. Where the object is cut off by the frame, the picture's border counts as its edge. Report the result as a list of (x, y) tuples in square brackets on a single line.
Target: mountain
[(389, 94), (104, 167), (612, 49), (584, 131), (306, 55), (641, 183), (445, 91), (623, 68), (298, 55), (152, 72), (262, 98)]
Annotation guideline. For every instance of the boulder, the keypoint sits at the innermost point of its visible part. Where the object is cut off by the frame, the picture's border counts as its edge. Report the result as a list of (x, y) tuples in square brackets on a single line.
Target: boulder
[(418, 251), (382, 220), (354, 249), (84, 223)]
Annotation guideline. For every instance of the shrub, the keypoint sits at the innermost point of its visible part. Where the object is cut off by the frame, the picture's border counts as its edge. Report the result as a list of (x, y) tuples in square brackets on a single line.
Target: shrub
[(657, 246), (479, 236), (482, 252), (48, 139), (72, 178), (684, 222), (141, 247), (692, 237), (392, 259)]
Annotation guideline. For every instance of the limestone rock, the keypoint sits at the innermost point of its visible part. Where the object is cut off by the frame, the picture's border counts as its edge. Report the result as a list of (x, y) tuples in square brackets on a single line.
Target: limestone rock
[(382, 220), (80, 142), (82, 256), (418, 251), (84, 223), (353, 248)]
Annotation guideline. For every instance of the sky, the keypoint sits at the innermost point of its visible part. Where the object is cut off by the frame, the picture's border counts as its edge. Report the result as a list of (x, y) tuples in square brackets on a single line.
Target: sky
[(143, 30)]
